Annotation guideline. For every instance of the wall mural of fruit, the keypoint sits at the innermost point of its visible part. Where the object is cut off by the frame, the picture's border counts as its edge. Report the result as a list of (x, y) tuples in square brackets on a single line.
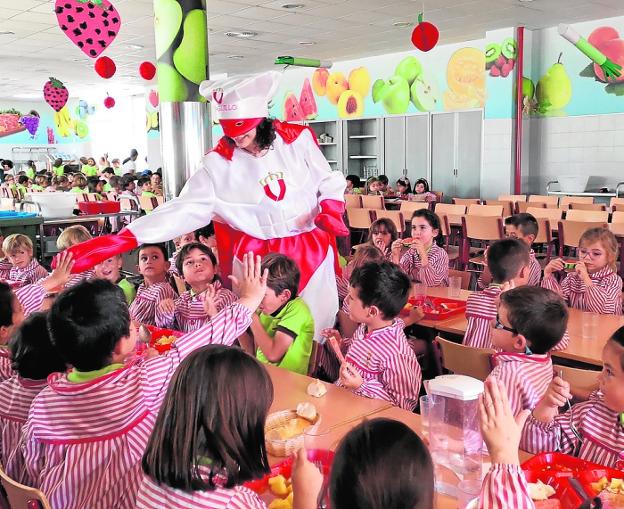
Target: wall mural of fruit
[(181, 48), (465, 76), (554, 89), (500, 59)]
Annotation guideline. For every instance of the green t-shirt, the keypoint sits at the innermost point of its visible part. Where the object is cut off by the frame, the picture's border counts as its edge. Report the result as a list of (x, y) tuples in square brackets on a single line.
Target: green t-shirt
[(117, 171), (90, 171), (36, 187), (128, 289), (30, 173), (108, 188), (59, 171), (78, 377), (294, 319), (78, 190), (148, 194)]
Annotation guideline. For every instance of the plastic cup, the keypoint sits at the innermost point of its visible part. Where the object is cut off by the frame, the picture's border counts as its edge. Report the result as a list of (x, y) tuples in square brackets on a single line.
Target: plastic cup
[(455, 286), (425, 406), (589, 325), (467, 491)]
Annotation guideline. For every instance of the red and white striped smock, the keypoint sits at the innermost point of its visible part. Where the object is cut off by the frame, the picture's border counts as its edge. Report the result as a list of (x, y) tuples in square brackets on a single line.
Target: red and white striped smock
[(6, 371), (156, 496), (605, 297), (526, 378), (603, 435), (17, 396), (189, 314), (30, 274), (434, 274), (481, 309), (535, 273), (84, 441), (80, 277), (384, 359), (5, 269), (505, 487), (143, 307)]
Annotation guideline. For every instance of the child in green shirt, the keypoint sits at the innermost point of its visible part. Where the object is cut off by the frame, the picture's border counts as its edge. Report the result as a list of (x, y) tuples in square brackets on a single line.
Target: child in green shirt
[(79, 184), (58, 168), (110, 270), (90, 169), (145, 185), (283, 329)]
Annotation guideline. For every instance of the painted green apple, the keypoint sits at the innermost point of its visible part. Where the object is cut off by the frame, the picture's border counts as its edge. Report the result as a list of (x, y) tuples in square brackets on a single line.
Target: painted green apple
[(397, 98), (171, 85), (82, 129), (379, 90), (409, 68), (167, 21), (190, 57), (424, 93), (528, 89)]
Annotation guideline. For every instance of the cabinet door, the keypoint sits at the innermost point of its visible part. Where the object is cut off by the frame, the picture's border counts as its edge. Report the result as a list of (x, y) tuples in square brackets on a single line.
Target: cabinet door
[(469, 147), (394, 148), (443, 153), (417, 147)]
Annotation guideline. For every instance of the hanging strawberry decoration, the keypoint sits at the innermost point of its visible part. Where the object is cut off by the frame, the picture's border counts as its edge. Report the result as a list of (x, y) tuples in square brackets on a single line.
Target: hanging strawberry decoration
[(109, 102), (90, 24), (147, 70), (105, 67), (55, 94), (425, 35)]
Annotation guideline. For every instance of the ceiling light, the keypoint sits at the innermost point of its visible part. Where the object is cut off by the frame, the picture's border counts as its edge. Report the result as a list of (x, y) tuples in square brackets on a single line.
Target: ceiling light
[(7, 32), (236, 57), (241, 35), (292, 6), (307, 43), (135, 46), (525, 1), (402, 24)]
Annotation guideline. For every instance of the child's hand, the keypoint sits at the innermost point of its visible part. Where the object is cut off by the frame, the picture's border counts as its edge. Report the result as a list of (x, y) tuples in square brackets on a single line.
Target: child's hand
[(331, 333), (252, 286), (150, 353), (349, 377), (581, 270), (210, 308), (556, 396), (501, 431), (416, 314), (554, 266), (167, 306), (396, 248), (307, 482), (61, 273), (379, 244)]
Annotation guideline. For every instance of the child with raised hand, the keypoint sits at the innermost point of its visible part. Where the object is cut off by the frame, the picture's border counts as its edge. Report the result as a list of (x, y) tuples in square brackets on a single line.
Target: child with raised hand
[(206, 297), (379, 362), (508, 261), (598, 421), (529, 324), (425, 261), (87, 431), (33, 358), (25, 269), (110, 269), (153, 266), (593, 285), (208, 438), (381, 463)]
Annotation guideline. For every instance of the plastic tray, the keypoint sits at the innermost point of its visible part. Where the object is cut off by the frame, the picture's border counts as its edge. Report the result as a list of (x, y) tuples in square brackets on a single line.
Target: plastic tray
[(457, 307), (159, 333), (99, 207), (10, 214)]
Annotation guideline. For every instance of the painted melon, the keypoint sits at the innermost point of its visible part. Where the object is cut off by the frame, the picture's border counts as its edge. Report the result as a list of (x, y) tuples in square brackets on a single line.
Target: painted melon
[(307, 101), (292, 109)]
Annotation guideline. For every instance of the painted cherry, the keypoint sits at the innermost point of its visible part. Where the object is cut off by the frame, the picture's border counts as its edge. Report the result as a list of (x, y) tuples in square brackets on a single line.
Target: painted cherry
[(105, 67), (109, 102), (425, 35), (147, 70)]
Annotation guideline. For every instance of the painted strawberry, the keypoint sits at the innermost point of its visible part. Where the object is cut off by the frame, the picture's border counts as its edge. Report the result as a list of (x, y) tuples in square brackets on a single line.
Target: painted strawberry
[(55, 94), (90, 24)]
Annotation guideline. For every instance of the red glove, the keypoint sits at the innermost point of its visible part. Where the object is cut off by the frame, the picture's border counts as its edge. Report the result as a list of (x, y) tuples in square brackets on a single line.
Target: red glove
[(90, 253), (330, 218)]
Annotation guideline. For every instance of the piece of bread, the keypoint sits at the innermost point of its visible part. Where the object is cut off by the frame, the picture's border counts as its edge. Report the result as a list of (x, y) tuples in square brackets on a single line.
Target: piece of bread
[(307, 411), (291, 429), (316, 389), (540, 491)]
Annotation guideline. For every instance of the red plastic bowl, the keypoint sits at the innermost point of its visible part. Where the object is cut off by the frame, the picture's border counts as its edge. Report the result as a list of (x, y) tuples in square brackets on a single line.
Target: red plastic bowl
[(158, 333), (99, 207)]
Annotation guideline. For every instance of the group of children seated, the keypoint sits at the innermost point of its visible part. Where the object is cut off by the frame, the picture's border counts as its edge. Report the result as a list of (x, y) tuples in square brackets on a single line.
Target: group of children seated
[(92, 423), (380, 185)]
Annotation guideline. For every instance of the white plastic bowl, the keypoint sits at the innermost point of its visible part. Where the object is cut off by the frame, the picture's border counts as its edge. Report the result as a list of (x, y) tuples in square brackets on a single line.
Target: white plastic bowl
[(54, 205), (573, 183)]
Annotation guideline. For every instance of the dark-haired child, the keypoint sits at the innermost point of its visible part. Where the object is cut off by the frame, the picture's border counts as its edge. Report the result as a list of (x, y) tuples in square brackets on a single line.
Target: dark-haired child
[(25, 269), (145, 186), (598, 420), (209, 435), (283, 330), (87, 431), (110, 269), (179, 243), (379, 362), (206, 297), (529, 324), (381, 234), (508, 261), (153, 266), (403, 187), (33, 358), (425, 261), (422, 192)]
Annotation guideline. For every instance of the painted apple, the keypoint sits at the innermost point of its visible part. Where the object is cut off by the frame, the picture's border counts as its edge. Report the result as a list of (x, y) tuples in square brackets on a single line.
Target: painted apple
[(397, 96)]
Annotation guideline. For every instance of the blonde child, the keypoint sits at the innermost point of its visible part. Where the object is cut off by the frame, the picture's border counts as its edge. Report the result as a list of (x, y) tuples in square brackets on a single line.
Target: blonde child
[(71, 236), (110, 269), (25, 269), (373, 186), (79, 184), (593, 284), (5, 264), (206, 297)]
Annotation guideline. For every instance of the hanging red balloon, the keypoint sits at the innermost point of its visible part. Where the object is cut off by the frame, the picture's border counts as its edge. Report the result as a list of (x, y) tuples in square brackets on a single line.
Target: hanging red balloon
[(105, 67), (147, 70), (425, 35), (109, 102)]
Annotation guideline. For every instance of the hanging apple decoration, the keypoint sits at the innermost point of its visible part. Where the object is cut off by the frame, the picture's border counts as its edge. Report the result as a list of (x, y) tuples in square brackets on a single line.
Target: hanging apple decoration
[(147, 70), (105, 67), (425, 35), (109, 102)]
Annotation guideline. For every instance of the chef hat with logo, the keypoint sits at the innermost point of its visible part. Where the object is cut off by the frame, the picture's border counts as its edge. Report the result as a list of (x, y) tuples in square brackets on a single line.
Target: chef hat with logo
[(241, 102)]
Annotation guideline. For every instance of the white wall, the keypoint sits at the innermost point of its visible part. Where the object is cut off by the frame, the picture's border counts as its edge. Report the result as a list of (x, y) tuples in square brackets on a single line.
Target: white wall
[(497, 166)]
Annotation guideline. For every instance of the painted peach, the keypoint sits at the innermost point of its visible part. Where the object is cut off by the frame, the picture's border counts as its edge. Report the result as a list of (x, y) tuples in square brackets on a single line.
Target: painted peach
[(336, 85), (319, 81)]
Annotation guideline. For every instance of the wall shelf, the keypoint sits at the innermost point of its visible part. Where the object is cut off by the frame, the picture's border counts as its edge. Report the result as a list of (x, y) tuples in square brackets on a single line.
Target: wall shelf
[(362, 136)]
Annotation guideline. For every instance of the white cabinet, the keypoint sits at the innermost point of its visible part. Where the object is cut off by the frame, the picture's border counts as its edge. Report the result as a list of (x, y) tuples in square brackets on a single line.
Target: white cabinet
[(406, 147), (363, 142), (329, 137)]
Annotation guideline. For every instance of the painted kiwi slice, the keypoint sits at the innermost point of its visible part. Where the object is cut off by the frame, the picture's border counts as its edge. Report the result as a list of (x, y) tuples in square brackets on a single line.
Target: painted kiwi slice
[(510, 49), (492, 52)]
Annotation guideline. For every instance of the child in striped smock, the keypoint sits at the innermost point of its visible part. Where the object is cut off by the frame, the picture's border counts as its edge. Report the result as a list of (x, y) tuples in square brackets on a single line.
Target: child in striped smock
[(33, 359), (425, 261), (25, 269), (382, 234), (508, 261), (69, 237), (153, 266), (202, 462), (87, 431), (593, 285), (379, 362), (529, 323), (179, 243), (205, 298), (598, 421)]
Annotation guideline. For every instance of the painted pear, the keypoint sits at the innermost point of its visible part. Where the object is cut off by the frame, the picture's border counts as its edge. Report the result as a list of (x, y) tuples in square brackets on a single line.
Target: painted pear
[(554, 89)]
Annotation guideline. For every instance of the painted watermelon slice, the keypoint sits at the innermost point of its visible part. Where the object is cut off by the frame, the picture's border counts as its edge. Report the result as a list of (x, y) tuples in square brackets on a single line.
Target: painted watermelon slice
[(10, 124), (307, 101), (292, 108)]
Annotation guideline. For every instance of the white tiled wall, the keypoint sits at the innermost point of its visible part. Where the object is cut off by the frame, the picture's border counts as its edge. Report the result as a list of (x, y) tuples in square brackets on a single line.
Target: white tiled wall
[(497, 167)]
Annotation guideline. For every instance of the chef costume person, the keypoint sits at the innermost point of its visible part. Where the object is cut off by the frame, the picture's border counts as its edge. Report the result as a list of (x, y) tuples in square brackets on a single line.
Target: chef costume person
[(283, 198)]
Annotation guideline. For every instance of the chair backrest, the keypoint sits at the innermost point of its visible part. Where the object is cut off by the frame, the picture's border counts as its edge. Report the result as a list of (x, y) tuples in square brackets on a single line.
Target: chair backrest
[(617, 229), (544, 233), (580, 380), (353, 201), (466, 201), (488, 228), (450, 210), (570, 232), (93, 197), (439, 195), (485, 210), (22, 497), (525, 206), (128, 203), (591, 216), (396, 216), (408, 207), (112, 196), (509, 207), (542, 198), (464, 275), (7, 203), (464, 360), (553, 215), (588, 206), (359, 218), (148, 203), (513, 197), (566, 201), (372, 201), (160, 199), (617, 202), (617, 216), (445, 226)]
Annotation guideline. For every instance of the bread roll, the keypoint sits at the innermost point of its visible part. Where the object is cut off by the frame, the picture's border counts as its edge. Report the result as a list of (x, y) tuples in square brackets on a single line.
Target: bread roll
[(307, 411), (316, 389)]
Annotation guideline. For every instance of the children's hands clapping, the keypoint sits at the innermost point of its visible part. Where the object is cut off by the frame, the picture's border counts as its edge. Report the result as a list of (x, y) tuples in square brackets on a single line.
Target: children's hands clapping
[(208, 297), (253, 284)]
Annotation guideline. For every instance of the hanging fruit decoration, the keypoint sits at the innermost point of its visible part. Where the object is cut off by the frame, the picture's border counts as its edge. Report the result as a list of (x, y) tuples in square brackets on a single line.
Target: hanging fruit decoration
[(147, 70), (109, 102), (105, 67), (425, 35)]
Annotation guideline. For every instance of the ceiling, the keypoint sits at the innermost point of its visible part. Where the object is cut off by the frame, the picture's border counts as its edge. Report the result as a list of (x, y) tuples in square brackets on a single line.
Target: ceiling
[(339, 29)]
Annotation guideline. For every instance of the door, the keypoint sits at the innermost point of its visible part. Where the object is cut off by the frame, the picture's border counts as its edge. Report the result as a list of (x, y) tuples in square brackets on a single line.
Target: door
[(417, 147), (443, 153), (394, 148), (468, 156)]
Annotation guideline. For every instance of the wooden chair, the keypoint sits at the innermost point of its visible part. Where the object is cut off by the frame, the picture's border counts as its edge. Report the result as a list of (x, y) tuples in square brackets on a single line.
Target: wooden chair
[(522, 207), (617, 216), (617, 204), (566, 201), (542, 198), (372, 201), (485, 210), (160, 199), (148, 203), (582, 381), (7, 203), (314, 358), (22, 497), (409, 207), (439, 196), (451, 250), (570, 232), (465, 276), (509, 207), (453, 211), (396, 216), (591, 216), (483, 229), (353, 201), (361, 220), (544, 236), (515, 198), (463, 360), (588, 206), (466, 201), (618, 230)]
